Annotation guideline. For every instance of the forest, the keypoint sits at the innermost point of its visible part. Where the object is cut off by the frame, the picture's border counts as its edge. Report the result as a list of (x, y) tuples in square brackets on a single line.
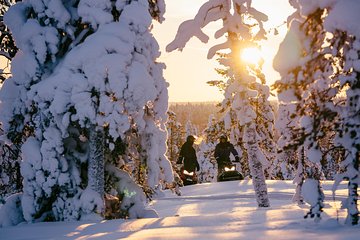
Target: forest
[(197, 113), (87, 131)]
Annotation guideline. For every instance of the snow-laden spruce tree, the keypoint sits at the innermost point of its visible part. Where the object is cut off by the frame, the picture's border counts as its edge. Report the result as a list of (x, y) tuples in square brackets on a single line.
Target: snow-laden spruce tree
[(190, 129), (10, 177), (206, 158), (302, 69), (265, 121), (346, 49), (175, 136), (85, 80), (284, 124), (174, 142), (8, 48), (320, 76), (245, 81)]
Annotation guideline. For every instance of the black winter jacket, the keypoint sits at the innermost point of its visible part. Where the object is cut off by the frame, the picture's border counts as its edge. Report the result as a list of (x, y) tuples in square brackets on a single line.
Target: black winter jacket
[(222, 153), (188, 154)]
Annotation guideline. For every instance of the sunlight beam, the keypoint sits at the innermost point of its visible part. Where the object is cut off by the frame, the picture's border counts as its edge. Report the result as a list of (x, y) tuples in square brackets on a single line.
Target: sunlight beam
[(251, 55)]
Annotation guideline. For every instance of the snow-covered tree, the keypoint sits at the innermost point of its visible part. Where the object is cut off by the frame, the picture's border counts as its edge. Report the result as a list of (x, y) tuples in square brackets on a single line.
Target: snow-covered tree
[(206, 159), (8, 48), (265, 121), (305, 82), (320, 76), (349, 133), (288, 157), (175, 136), (85, 81), (299, 178), (333, 155), (190, 129), (10, 176), (174, 142), (243, 27), (346, 49)]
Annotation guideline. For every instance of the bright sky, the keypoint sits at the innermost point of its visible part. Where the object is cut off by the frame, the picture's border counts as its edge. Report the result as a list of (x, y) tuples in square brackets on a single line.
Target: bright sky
[(189, 70)]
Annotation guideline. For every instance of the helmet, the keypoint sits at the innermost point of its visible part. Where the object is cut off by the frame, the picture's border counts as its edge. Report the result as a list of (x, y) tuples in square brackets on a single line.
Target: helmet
[(190, 138), (223, 137)]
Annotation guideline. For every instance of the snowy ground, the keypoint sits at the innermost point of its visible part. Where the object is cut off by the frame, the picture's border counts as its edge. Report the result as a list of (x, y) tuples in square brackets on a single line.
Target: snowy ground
[(210, 211)]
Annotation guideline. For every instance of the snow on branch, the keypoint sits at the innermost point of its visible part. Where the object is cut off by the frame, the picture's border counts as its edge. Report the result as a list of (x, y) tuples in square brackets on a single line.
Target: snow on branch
[(259, 16), (211, 11), (214, 10), (212, 51)]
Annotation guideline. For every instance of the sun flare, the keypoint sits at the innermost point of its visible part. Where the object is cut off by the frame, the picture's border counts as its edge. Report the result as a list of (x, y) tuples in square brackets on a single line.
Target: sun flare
[(251, 55)]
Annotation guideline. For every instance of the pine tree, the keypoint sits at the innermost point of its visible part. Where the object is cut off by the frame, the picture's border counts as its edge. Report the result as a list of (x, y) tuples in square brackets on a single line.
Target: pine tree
[(10, 177), (314, 105), (206, 158), (288, 156), (299, 178), (316, 76), (8, 47), (190, 129), (349, 134), (265, 121), (74, 109), (175, 138), (244, 80)]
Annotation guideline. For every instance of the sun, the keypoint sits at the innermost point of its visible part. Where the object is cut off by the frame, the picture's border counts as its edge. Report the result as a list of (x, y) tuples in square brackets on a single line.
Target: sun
[(251, 55)]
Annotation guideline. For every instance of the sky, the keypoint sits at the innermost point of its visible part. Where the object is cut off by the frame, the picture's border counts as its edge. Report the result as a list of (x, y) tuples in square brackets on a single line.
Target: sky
[(189, 70), (221, 210)]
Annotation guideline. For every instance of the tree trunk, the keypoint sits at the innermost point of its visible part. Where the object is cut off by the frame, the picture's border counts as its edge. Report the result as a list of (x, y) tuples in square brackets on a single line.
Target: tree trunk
[(353, 211), (256, 169), (244, 161), (96, 180), (299, 178)]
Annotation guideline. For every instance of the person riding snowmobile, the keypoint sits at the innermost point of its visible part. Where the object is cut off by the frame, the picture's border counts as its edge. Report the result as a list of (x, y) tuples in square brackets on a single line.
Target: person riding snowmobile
[(222, 153)]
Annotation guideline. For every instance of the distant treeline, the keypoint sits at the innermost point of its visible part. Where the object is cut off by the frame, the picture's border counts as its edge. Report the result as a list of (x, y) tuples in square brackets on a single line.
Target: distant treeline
[(196, 112)]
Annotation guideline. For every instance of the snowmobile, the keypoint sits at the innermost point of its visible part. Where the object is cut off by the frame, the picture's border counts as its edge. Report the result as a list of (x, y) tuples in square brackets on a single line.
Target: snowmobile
[(229, 173), (188, 178)]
